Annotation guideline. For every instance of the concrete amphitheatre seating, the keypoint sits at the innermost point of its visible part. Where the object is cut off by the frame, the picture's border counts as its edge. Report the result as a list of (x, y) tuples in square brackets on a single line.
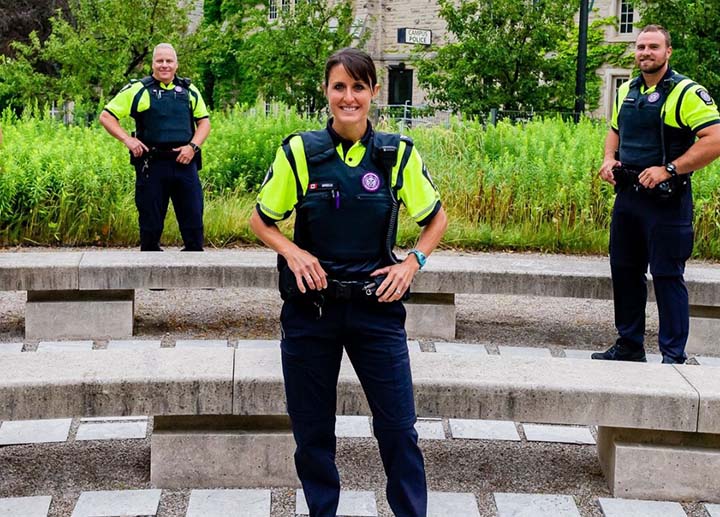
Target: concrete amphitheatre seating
[(91, 294), (219, 412)]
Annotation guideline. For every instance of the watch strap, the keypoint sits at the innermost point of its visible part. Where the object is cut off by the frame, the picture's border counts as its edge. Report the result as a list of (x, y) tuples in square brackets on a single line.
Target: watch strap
[(420, 256)]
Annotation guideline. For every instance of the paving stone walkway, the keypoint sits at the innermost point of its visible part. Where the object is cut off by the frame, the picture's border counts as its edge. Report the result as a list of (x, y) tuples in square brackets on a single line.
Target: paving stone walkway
[(135, 428), (109, 503), (257, 503), (353, 503), (414, 346), (636, 508), (206, 503), (535, 505)]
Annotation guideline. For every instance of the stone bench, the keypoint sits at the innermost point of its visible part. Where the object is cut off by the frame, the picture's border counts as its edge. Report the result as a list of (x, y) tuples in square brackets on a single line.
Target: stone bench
[(91, 294), (214, 406)]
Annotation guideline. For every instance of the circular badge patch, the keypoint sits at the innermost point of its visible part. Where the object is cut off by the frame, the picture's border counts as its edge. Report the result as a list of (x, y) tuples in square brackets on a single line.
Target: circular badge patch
[(178, 88), (705, 96), (371, 181), (653, 97)]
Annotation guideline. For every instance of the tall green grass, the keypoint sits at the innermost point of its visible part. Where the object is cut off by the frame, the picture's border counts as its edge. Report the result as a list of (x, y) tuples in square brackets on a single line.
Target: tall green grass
[(531, 187)]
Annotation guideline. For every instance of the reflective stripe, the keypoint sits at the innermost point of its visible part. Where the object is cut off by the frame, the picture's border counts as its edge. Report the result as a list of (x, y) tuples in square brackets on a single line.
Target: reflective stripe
[(398, 163), (298, 150), (270, 212), (424, 212)]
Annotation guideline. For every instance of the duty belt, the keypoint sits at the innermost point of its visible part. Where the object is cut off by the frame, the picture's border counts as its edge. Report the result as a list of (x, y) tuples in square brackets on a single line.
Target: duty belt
[(351, 289), (156, 153), (153, 154), (628, 177)]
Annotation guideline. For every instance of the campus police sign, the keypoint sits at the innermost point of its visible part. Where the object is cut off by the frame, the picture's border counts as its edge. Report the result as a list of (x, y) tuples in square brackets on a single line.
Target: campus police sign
[(415, 36)]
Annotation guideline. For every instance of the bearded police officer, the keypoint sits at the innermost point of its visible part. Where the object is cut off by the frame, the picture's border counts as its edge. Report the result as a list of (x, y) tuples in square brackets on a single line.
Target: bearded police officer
[(171, 123), (664, 127)]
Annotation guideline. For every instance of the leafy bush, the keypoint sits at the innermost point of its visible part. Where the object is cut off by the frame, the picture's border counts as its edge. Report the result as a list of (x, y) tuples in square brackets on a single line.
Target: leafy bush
[(243, 142), (60, 185), (532, 186)]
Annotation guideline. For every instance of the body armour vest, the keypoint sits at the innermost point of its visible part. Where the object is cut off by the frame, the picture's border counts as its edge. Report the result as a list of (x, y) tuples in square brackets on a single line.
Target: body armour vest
[(645, 139), (348, 215), (168, 122)]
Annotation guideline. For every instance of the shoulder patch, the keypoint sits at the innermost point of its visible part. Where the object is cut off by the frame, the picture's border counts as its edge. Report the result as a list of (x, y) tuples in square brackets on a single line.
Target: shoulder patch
[(704, 96), (128, 85)]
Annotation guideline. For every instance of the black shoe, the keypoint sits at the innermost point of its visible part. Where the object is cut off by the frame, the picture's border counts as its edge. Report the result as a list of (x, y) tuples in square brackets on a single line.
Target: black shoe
[(621, 352), (671, 360)]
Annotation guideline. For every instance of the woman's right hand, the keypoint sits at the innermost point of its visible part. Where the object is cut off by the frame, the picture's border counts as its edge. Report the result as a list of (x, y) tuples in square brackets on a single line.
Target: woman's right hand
[(306, 266)]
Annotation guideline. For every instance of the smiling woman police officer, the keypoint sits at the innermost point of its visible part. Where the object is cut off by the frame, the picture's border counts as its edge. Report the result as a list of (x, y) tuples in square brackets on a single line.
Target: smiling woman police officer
[(346, 182)]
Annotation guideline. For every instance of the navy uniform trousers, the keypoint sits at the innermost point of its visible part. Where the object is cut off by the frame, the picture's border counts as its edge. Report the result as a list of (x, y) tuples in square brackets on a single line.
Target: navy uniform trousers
[(374, 337), (659, 233), (165, 179)]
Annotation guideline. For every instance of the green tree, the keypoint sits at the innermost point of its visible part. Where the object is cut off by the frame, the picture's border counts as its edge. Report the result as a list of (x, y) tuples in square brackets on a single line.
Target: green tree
[(285, 56), (247, 52), (510, 54), (91, 52), (599, 52), (221, 43), (695, 29)]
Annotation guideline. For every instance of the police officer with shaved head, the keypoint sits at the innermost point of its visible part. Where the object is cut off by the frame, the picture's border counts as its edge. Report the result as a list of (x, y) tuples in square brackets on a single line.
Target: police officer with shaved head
[(171, 122), (664, 126)]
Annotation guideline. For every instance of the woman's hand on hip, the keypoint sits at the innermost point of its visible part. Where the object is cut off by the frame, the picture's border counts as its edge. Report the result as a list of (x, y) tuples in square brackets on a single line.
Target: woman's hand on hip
[(399, 278)]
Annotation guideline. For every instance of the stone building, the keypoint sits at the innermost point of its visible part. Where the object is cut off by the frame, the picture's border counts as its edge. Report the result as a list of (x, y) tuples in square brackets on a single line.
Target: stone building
[(398, 26)]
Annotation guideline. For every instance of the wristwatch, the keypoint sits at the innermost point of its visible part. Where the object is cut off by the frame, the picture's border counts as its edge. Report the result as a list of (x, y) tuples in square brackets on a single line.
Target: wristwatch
[(420, 256), (194, 147), (671, 169)]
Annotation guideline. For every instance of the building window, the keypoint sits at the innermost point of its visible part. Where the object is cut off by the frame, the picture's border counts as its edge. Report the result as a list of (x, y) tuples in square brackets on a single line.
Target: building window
[(626, 17), (285, 6), (617, 81), (400, 88), (272, 10)]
